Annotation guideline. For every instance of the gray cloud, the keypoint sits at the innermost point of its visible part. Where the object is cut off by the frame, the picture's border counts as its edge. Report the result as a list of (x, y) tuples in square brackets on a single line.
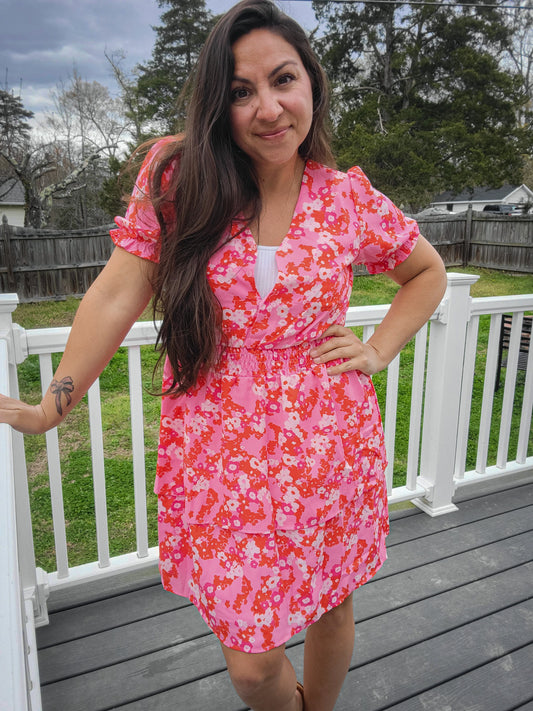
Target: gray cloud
[(41, 41)]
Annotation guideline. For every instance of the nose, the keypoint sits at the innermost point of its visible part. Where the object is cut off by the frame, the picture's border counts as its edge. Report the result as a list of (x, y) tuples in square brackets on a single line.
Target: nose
[(268, 106)]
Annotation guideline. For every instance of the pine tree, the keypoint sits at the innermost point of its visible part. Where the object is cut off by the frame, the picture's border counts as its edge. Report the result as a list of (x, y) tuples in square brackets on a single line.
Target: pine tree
[(14, 126), (421, 100), (183, 30)]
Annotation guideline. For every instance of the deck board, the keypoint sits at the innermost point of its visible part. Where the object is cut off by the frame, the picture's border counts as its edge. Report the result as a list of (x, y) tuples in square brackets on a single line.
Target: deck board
[(446, 625)]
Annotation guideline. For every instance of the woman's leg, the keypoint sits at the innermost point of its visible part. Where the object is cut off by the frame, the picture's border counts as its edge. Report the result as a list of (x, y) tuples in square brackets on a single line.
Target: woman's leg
[(328, 651), (265, 681)]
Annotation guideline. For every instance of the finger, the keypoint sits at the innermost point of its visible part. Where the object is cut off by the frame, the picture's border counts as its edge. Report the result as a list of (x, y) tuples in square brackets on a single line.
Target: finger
[(336, 330), (344, 367), (338, 348), (348, 342), (348, 355)]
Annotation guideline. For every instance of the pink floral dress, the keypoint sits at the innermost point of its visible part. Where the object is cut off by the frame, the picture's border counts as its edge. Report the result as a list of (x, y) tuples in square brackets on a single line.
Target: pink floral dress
[(270, 478)]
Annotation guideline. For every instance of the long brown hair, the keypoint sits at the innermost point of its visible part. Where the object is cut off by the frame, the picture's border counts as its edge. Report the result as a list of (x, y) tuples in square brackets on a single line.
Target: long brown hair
[(214, 181)]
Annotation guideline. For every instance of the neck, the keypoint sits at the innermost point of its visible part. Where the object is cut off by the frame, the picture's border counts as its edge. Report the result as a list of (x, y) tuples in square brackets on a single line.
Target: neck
[(279, 189), (281, 179)]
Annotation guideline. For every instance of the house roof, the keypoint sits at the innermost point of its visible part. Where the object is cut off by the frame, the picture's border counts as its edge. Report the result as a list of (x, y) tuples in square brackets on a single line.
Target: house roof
[(11, 191), (482, 194)]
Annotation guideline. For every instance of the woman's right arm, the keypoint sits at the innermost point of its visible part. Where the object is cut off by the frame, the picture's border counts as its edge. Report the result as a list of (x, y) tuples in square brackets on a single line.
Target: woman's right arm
[(106, 313)]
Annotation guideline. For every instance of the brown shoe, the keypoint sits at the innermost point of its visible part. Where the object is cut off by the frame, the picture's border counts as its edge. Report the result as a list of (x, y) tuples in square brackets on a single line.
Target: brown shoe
[(300, 688)]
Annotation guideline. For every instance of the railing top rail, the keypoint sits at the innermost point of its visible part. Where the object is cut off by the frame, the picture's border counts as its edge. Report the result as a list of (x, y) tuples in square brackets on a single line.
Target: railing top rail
[(49, 340), (501, 304), (52, 340)]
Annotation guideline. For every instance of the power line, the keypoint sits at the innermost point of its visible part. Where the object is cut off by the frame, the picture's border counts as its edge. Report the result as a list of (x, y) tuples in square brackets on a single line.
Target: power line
[(419, 2)]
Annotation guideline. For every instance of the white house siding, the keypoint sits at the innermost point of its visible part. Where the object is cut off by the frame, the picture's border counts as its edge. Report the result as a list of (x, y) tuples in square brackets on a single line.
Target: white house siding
[(14, 214), (519, 195)]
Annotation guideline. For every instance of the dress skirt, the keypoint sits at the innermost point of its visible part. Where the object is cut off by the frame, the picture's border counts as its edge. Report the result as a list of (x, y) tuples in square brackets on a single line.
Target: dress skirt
[(279, 513)]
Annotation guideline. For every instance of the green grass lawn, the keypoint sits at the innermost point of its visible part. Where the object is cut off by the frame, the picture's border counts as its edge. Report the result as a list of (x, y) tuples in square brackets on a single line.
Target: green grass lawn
[(74, 432)]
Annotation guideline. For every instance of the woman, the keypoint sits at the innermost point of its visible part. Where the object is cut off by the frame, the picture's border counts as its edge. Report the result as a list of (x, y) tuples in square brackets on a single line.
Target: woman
[(272, 502)]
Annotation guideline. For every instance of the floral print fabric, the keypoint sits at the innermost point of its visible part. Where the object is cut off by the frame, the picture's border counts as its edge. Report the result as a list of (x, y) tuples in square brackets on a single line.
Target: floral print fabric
[(270, 478)]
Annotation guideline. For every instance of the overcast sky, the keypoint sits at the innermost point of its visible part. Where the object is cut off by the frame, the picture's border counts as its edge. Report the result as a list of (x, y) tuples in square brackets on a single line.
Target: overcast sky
[(41, 41)]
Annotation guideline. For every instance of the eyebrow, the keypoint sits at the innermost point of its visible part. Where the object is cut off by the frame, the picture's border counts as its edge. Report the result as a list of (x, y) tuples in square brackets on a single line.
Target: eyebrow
[(272, 73)]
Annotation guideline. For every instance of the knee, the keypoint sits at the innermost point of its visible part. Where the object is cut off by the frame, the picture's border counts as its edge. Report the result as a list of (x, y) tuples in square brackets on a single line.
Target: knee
[(253, 672), (338, 617)]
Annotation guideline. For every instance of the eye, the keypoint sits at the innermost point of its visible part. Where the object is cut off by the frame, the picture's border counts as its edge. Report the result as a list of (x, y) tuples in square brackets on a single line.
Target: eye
[(285, 79), (239, 94)]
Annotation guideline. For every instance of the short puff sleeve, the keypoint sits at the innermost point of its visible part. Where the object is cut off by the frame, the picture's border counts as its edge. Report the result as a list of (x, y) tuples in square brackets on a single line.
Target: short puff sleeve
[(139, 231), (387, 236)]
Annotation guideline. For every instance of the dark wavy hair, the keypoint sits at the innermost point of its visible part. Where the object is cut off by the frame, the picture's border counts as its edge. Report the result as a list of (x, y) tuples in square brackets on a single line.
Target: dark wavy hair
[(213, 182)]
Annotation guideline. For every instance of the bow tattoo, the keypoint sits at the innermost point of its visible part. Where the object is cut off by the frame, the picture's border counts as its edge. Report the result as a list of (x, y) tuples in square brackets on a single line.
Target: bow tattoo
[(59, 387)]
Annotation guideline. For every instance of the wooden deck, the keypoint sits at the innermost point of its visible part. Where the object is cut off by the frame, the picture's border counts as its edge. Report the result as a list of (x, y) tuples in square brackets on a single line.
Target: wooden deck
[(447, 625)]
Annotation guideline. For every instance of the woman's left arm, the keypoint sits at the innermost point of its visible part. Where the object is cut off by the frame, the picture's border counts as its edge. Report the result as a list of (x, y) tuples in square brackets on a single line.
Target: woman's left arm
[(422, 280)]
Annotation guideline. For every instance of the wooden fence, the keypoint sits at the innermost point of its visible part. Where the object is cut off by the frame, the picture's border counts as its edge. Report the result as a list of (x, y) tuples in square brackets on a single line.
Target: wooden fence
[(479, 239), (43, 265), (50, 264)]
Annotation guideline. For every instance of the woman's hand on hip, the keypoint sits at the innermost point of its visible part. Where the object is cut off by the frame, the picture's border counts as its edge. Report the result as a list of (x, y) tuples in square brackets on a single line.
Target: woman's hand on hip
[(342, 343)]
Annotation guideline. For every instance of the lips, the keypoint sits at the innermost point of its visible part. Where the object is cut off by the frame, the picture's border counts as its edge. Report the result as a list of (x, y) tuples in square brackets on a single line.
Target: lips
[(276, 133)]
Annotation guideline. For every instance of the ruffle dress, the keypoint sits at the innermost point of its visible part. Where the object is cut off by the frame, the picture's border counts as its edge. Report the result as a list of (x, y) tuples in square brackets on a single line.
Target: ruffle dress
[(270, 476)]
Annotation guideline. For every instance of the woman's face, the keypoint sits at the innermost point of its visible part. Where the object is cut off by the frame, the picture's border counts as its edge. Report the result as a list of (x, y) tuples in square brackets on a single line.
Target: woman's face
[(271, 99)]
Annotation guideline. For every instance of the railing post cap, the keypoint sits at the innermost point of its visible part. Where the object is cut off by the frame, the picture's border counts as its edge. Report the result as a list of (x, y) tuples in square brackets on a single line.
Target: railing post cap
[(457, 279), (8, 302), (4, 219)]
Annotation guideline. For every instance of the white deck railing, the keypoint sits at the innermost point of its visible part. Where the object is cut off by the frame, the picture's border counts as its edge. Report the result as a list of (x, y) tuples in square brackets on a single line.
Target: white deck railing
[(20, 599), (445, 358)]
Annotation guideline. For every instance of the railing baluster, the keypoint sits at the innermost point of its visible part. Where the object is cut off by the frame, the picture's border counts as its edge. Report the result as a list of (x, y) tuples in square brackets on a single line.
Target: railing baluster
[(417, 396), (391, 408), (137, 440), (527, 409), (367, 332), (54, 475), (466, 396), (97, 454), (488, 394), (509, 391)]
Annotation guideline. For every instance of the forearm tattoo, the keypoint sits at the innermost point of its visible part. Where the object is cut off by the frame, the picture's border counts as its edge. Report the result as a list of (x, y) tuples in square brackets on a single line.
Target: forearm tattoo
[(62, 387)]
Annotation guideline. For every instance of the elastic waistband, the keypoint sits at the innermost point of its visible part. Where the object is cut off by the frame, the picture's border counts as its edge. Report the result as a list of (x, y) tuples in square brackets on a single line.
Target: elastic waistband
[(250, 360)]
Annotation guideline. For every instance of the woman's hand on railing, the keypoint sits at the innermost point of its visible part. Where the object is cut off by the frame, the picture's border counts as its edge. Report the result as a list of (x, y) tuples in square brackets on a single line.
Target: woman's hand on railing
[(343, 344), (29, 419)]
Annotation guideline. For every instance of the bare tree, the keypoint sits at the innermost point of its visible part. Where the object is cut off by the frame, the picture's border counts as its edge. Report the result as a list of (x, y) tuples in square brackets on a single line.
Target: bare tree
[(520, 52), (87, 118), (38, 169), (135, 106)]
